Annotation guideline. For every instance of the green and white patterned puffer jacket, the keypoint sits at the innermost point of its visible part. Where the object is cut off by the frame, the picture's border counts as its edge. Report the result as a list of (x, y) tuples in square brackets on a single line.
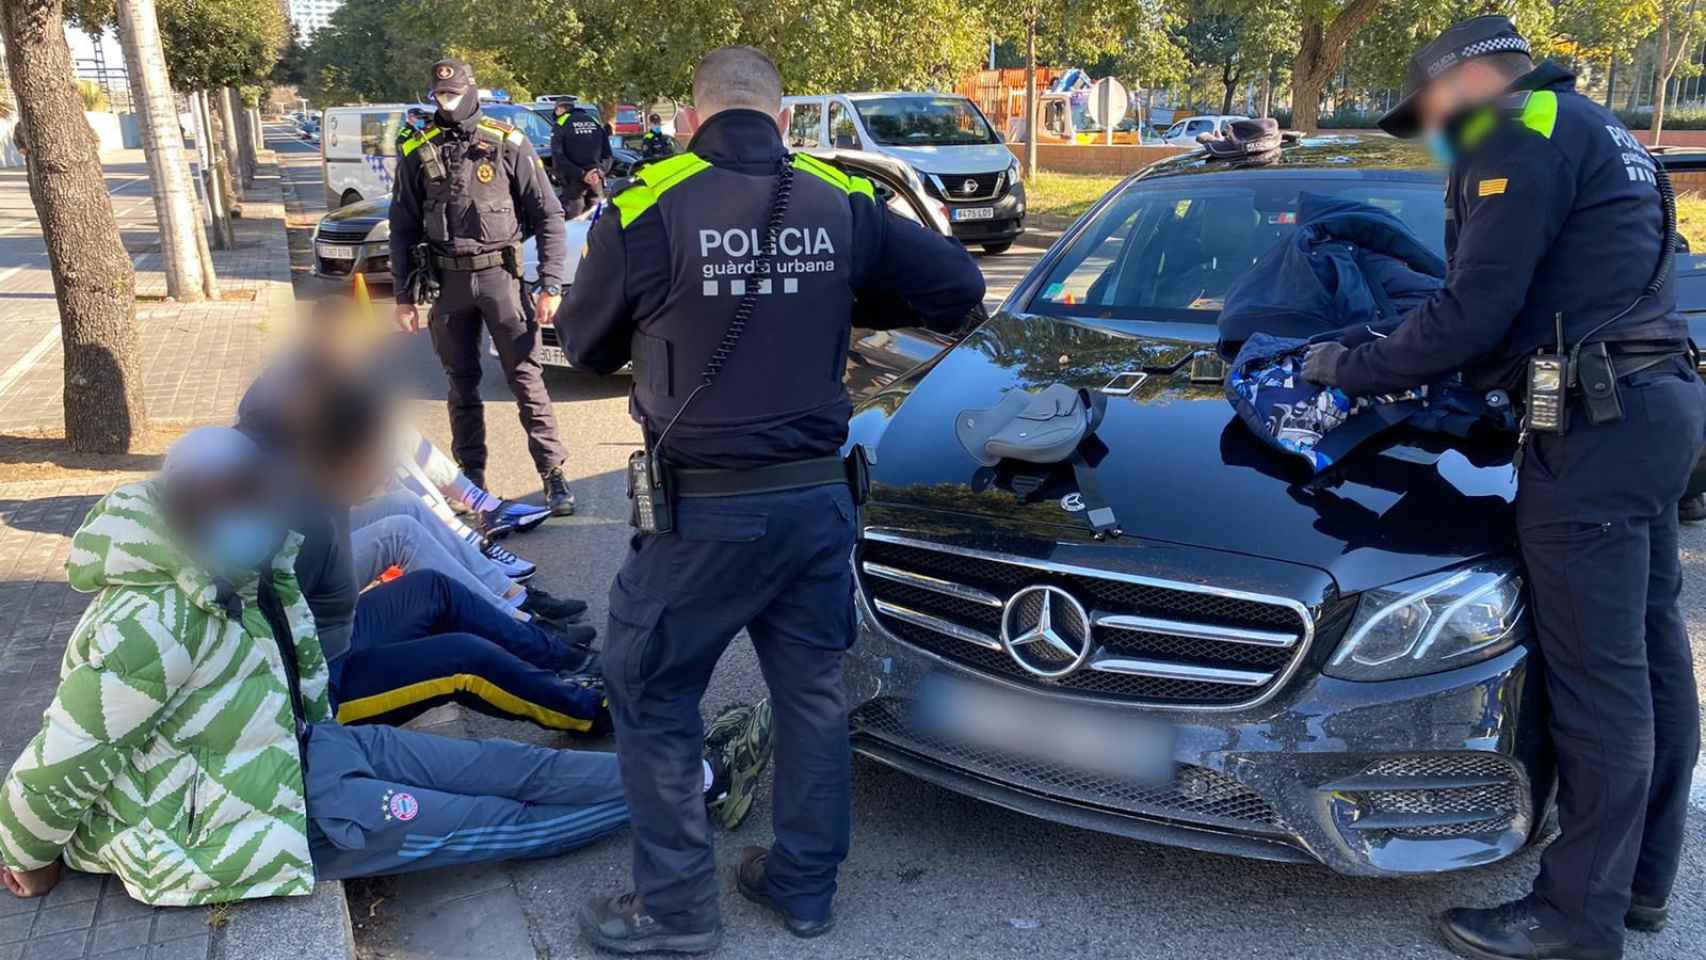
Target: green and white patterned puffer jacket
[(169, 756)]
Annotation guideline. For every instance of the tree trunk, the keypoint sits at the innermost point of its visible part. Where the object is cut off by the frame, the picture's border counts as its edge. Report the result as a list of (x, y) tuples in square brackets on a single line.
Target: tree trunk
[(1268, 89), (163, 143), (1610, 83), (1321, 48), (234, 162), (1031, 100), (1669, 52), (219, 227), (92, 275), (1229, 83)]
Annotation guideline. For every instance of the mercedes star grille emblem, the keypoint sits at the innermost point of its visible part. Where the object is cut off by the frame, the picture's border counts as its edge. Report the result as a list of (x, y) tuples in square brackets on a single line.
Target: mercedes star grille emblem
[(1046, 631)]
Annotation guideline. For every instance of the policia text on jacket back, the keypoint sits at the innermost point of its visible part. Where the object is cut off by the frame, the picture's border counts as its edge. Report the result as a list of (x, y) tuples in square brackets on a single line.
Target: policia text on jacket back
[(1559, 288), (467, 190), (762, 512)]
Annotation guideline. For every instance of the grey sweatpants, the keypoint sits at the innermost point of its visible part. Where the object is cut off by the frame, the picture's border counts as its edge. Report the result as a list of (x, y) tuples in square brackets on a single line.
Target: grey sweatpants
[(399, 529), (383, 800)]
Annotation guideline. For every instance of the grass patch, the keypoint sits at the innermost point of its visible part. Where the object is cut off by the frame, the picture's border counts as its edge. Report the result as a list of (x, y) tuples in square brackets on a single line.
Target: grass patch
[(1063, 196), (1691, 219)]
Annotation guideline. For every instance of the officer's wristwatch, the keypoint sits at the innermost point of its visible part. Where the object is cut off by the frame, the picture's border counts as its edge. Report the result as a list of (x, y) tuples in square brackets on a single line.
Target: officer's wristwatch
[(553, 289)]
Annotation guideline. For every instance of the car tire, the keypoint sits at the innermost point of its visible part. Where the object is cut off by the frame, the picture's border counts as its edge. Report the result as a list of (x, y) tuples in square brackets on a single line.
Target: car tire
[(349, 197), (995, 249)]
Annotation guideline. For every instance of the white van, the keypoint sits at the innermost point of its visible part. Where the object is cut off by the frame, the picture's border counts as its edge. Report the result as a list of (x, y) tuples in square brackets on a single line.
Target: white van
[(358, 150), (943, 136)]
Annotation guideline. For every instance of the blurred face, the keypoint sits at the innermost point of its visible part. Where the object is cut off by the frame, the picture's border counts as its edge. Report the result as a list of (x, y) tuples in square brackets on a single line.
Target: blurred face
[(229, 524), (1466, 85)]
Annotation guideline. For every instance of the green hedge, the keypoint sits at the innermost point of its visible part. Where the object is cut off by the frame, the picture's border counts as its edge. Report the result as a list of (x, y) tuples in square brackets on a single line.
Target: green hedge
[(1691, 117)]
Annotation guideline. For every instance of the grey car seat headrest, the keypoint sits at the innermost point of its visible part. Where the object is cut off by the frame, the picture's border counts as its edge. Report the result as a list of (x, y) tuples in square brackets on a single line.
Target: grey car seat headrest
[(1043, 427)]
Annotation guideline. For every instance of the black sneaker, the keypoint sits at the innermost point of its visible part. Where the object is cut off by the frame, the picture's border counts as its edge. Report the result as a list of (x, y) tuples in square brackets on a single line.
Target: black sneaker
[(620, 924), (1647, 917), (556, 609), (1692, 509), (557, 494), (749, 877), (1513, 931)]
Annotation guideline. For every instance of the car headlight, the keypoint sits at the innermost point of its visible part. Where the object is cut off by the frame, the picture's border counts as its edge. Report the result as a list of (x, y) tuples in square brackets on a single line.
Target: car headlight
[(381, 232), (1013, 172), (1438, 622)]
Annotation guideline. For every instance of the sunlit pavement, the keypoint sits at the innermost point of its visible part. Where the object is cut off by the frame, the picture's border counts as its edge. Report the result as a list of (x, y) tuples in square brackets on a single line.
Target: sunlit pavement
[(933, 874)]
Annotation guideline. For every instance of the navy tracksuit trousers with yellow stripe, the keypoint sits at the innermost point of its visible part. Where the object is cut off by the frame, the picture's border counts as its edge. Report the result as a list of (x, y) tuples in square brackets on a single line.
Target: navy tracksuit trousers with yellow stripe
[(423, 640)]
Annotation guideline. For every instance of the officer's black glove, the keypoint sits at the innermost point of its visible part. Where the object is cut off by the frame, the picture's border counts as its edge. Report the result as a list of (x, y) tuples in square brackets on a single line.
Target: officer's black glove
[(1321, 363)]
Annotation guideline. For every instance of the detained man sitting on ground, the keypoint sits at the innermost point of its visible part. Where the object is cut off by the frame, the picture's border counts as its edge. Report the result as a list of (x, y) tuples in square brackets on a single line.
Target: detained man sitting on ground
[(422, 639), (198, 638)]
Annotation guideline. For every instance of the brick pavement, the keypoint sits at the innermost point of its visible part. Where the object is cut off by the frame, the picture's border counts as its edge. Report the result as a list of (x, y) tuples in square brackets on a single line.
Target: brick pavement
[(197, 358)]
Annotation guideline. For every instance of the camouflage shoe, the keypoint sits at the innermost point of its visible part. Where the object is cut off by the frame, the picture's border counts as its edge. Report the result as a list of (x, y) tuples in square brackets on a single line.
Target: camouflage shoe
[(738, 759)]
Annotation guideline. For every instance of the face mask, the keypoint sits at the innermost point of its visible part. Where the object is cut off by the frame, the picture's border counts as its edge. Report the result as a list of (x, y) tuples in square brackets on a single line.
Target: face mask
[(237, 543), (1440, 148), (448, 102)]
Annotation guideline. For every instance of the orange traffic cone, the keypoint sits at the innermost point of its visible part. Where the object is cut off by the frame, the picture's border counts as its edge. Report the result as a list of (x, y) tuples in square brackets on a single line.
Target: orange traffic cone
[(360, 292)]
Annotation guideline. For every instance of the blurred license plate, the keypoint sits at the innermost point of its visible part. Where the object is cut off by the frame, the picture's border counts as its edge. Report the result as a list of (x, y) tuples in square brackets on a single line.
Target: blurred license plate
[(1045, 730), (552, 356), (974, 213), (332, 251)]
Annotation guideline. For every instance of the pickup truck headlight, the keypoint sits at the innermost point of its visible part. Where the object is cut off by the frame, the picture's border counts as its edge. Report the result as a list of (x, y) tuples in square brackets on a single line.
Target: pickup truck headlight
[(1438, 622)]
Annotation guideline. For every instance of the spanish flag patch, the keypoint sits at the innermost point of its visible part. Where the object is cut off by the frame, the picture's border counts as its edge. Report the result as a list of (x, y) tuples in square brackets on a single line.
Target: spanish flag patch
[(1489, 188)]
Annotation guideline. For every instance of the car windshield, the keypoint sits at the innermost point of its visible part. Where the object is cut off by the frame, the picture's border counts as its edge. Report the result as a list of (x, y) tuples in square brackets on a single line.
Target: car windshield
[(531, 123), (1169, 250), (923, 121)]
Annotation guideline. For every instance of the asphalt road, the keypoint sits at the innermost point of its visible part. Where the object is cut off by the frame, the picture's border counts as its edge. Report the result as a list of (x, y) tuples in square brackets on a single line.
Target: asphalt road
[(933, 874)]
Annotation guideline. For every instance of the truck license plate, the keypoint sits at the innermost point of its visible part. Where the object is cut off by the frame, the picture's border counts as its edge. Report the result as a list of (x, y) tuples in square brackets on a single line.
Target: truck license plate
[(333, 251), (974, 213)]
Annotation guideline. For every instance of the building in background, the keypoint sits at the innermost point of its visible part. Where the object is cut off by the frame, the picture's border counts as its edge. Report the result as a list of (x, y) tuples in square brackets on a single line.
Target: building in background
[(310, 15)]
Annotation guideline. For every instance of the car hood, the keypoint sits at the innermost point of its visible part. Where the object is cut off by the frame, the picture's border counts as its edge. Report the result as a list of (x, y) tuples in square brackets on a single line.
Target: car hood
[(1180, 467), (374, 210), (975, 158)]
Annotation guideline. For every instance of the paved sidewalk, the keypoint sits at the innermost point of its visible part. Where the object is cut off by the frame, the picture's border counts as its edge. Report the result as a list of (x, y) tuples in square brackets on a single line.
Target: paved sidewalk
[(197, 359)]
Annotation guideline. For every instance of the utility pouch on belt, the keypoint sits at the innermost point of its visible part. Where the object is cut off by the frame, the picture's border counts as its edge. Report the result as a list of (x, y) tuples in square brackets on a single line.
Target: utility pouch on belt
[(858, 464), (650, 505), (512, 260), (1597, 374)]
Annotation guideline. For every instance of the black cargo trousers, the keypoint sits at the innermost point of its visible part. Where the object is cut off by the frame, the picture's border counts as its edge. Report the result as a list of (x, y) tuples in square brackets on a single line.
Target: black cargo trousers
[(1596, 517), (468, 300)]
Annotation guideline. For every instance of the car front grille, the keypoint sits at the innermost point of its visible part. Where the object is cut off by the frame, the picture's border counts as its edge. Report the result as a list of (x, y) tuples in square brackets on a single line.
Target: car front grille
[(1433, 797), (332, 231), (1197, 794), (963, 187), (1152, 642)]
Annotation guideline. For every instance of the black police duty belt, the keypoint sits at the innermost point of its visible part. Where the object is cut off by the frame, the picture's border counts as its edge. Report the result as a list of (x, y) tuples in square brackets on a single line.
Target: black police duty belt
[(690, 484), (469, 264)]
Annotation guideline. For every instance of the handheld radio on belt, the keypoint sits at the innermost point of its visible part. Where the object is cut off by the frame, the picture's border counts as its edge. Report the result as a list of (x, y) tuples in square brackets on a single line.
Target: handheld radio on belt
[(651, 509), (1551, 375)]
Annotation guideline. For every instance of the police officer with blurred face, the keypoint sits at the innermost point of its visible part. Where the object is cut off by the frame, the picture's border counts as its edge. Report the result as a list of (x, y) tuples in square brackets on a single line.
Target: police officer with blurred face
[(1560, 289), (471, 188), (730, 275), (580, 153)]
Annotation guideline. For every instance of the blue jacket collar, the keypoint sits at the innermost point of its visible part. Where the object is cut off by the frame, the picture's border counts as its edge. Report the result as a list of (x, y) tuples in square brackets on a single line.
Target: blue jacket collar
[(742, 140)]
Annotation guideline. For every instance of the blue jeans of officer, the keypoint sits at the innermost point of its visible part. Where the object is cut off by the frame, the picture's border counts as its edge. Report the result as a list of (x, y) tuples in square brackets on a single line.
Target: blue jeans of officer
[(1596, 516), (777, 564)]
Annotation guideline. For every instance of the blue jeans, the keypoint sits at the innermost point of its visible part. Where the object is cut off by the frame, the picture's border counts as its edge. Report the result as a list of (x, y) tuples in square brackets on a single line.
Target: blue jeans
[(423, 640)]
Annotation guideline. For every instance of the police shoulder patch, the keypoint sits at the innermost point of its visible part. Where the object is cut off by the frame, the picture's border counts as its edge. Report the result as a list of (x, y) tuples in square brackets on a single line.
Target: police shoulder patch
[(1492, 186)]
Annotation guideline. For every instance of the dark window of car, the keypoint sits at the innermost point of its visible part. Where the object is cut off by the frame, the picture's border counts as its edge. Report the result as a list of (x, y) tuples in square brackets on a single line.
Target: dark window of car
[(532, 124), (923, 121), (805, 129), (843, 132), (1171, 251)]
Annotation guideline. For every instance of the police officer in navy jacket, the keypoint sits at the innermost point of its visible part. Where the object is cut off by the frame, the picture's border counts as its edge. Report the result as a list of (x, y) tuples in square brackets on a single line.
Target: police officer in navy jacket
[(764, 513)]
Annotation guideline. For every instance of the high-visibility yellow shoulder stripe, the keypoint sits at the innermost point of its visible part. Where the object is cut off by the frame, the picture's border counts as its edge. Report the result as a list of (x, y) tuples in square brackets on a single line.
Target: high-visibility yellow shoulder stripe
[(834, 176), (1540, 114), (562, 119), (654, 180), (416, 140)]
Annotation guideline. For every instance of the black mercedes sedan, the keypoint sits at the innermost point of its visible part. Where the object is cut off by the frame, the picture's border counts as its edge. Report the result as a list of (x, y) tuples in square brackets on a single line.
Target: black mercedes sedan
[(1332, 668)]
